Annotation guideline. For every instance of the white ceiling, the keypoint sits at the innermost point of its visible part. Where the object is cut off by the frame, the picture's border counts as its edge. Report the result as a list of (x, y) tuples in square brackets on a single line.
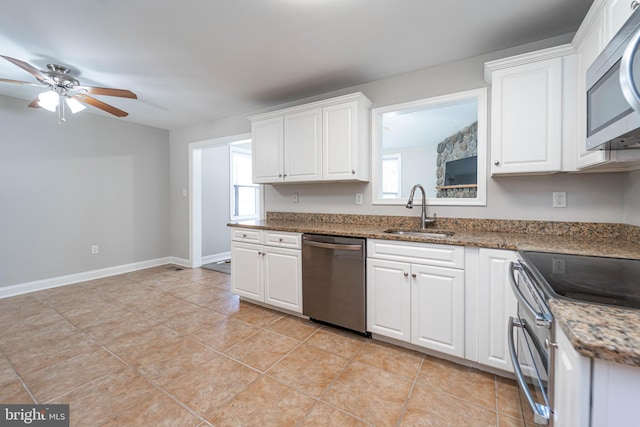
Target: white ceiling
[(192, 61)]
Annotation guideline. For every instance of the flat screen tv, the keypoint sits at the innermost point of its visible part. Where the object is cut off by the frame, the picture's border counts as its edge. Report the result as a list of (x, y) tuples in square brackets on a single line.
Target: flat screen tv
[(461, 171)]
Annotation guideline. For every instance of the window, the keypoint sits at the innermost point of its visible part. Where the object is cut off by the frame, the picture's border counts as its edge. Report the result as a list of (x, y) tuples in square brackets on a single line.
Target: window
[(391, 175), (245, 195), (433, 136)]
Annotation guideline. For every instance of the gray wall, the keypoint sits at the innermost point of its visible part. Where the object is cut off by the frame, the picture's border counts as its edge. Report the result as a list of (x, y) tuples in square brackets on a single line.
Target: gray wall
[(591, 197), (215, 200), (94, 180), (632, 198)]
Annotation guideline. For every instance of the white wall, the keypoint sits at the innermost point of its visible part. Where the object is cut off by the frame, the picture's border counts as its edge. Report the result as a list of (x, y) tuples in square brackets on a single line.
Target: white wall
[(91, 181), (591, 197), (215, 200)]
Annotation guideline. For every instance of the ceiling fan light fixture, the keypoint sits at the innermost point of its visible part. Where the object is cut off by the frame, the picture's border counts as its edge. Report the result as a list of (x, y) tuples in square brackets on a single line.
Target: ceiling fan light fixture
[(74, 105), (49, 100)]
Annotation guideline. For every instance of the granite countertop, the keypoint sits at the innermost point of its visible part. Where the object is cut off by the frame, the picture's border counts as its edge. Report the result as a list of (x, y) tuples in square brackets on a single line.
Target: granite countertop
[(597, 331)]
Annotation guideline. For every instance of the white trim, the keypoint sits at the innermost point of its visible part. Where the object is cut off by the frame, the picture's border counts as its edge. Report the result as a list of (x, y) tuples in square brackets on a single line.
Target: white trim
[(357, 96), (216, 257), (54, 282), (195, 196), (180, 261), (527, 58), (483, 124)]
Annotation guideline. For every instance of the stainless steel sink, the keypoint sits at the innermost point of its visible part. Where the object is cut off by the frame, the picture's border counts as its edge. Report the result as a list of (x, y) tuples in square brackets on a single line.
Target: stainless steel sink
[(419, 233)]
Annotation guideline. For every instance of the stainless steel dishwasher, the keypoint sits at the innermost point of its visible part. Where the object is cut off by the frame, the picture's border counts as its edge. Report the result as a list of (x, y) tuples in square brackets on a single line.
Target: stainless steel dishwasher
[(333, 281)]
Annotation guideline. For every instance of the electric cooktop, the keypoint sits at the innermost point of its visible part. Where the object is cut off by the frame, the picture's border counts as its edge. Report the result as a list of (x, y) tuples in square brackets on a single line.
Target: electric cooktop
[(610, 281)]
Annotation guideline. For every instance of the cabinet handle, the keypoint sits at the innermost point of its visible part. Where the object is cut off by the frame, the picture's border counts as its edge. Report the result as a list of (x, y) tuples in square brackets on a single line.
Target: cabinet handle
[(548, 344), (353, 171), (280, 239), (244, 236), (634, 5), (284, 176), (497, 162), (413, 275), (279, 175), (406, 274)]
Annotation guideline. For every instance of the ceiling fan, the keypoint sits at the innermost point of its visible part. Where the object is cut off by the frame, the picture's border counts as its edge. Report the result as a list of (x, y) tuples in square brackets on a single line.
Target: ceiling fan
[(64, 89)]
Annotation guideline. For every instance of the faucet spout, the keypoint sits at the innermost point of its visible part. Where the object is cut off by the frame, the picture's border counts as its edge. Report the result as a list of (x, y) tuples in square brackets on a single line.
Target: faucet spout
[(423, 213)]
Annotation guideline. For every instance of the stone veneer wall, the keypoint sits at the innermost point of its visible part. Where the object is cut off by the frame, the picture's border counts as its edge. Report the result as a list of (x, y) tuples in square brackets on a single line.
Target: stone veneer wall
[(460, 145)]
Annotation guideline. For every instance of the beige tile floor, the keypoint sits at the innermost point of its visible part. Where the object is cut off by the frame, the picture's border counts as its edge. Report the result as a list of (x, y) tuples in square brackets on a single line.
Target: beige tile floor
[(177, 348)]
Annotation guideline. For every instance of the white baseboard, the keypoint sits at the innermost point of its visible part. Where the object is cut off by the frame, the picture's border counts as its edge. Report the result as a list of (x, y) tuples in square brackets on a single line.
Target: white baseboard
[(216, 257), (181, 262), (54, 282)]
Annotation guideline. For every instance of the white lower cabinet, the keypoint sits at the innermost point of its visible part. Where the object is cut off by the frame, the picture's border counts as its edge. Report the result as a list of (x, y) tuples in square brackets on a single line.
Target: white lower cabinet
[(412, 301), (572, 384), (389, 299), (495, 303), (270, 273), (437, 308), (592, 392)]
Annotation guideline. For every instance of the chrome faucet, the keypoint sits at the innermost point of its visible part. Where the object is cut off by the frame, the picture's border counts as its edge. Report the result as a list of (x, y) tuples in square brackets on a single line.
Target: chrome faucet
[(423, 215)]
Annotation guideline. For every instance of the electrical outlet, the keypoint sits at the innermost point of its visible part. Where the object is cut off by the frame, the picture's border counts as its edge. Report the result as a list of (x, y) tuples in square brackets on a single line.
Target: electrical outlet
[(295, 197), (558, 266), (358, 198), (559, 199), (95, 250)]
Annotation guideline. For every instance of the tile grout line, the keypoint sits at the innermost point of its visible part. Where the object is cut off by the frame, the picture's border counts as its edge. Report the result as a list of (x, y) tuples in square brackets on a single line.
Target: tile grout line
[(24, 385), (413, 385), (328, 387), (133, 368)]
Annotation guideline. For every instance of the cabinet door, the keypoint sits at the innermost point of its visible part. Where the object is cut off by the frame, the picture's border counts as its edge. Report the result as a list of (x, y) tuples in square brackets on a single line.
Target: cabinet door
[(616, 14), (303, 146), (283, 278), (340, 141), (267, 140), (526, 118), (572, 384), (246, 270), (437, 308), (389, 299), (496, 302), (591, 45)]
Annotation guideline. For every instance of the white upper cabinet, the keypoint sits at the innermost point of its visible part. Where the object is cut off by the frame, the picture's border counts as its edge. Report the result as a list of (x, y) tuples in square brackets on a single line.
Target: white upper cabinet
[(303, 146), (342, 157), (269, 151), (527, 106), (604, 19), (590, 40), (322, 141), (616, 13)]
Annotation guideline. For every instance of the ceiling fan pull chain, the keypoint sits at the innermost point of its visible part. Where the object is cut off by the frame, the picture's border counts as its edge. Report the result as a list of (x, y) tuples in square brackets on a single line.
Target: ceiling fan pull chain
[(61, 117)]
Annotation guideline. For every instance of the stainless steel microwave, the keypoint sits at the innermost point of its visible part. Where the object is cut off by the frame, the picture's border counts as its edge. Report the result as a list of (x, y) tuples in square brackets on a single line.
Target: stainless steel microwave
[(613, 98)]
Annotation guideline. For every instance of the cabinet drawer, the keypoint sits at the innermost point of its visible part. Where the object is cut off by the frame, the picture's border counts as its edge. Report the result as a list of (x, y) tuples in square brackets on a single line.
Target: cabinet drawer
[(246, 235), (423, 253), (283, 239)]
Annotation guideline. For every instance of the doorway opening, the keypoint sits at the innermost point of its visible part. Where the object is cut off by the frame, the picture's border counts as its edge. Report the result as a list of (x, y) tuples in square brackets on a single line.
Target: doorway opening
[(211, 204)]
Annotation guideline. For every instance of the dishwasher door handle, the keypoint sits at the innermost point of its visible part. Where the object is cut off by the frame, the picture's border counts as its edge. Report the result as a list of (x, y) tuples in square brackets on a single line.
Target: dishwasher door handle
[(333, 246)]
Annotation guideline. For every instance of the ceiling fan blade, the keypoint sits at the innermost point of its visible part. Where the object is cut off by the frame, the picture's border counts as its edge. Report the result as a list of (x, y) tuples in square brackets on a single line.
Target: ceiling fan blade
[(34, 103), (20, 82), (29, 69), (122, 93), (101, 105)]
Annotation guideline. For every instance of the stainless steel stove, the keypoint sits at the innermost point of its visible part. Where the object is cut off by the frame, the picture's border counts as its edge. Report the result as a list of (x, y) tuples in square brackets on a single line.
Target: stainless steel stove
[(539, 277), (601, 280)]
